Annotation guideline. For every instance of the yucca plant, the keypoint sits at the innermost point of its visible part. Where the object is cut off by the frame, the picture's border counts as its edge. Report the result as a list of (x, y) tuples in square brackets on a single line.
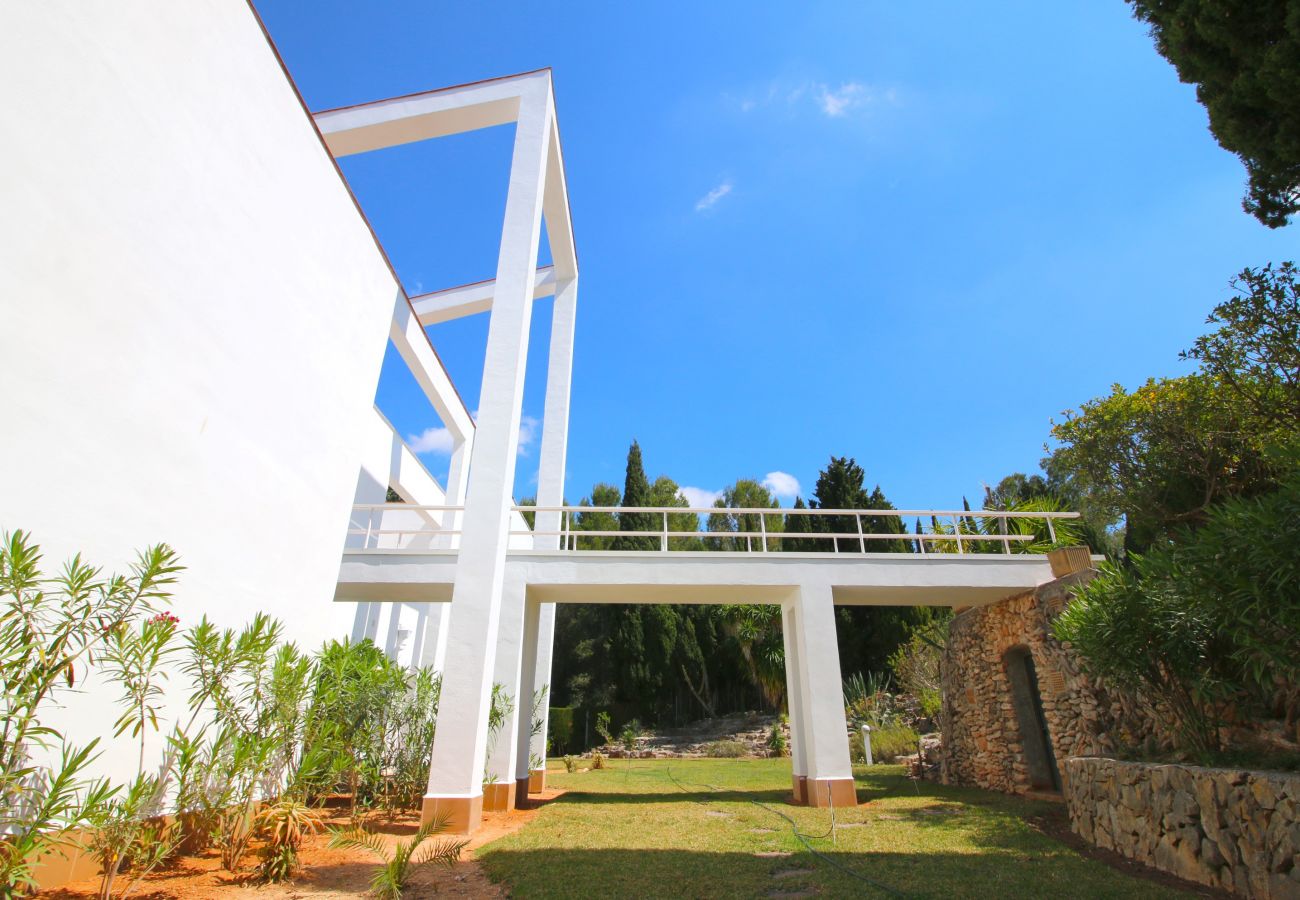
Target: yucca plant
[(403, 859), (285, 825)]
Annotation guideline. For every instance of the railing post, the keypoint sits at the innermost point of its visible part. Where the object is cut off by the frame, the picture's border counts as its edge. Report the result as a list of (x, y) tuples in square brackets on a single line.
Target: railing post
[(1051, 531), (862, 541), (370, 524), (568, 527), (762, 529), (1002, 527), (956, 525), (663, 540)]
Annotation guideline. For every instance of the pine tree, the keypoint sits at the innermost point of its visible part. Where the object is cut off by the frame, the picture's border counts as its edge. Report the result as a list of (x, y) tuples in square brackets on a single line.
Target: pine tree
[(1241, 55)]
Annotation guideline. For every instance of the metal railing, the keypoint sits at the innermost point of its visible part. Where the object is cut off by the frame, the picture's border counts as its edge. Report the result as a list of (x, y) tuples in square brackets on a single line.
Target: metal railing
[(755, 529)]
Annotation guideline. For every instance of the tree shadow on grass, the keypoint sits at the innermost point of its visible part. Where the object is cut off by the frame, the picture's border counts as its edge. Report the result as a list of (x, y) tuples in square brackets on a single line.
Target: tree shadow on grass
[(562, 872), (576, 795)]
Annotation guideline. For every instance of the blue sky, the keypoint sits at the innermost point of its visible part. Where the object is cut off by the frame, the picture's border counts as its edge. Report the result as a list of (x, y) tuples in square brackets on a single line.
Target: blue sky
[(911, 235)]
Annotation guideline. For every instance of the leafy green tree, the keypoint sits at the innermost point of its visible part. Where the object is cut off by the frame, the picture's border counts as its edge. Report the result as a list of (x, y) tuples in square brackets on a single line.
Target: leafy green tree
[(1017, 488), (602, 495), (666, 492), (744, 494), (1255, 351), (1242, 56), (1160, 456)]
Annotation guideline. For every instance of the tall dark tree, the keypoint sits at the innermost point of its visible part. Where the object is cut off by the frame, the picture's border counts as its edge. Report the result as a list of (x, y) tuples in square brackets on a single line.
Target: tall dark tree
[(841, 485), (867, 635), (636, 492), (796, 525), (1244, 58)]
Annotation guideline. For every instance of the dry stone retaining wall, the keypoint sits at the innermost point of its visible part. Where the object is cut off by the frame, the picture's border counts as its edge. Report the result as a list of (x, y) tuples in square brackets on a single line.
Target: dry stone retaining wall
[(982, 743), (1221, 827)]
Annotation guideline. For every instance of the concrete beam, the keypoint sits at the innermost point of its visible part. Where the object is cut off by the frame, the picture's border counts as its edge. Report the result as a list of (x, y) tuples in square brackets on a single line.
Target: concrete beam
[(363, 127), (471, 299)]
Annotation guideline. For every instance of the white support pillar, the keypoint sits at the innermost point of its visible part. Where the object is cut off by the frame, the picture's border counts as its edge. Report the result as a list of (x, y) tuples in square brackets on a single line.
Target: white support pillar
[(499, 793), (394, 620), (794, 685), (434, 651), (455, 772), (366, 623), (417, 639), (830, 771), (541, 669), (550, 492), (535, 673)]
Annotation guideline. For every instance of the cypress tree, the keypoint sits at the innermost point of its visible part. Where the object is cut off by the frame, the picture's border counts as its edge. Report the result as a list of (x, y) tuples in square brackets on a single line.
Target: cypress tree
[(636, 492)]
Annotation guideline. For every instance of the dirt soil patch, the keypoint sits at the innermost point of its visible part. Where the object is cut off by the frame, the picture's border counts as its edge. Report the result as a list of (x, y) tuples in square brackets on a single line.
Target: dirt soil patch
[(327, 874)]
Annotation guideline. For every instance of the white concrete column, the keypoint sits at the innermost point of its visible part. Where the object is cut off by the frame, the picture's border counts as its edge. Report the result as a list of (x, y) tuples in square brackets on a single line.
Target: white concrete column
[(500, 793), (394, 620), (366, 622), (417, 639), (536, 676), (455, 772), (541, 668), (434, 650), (794, 685), (550, 492), (830, 771)]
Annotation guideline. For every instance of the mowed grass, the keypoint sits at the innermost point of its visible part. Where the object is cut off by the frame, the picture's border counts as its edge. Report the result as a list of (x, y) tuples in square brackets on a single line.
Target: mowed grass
[(690, 828)]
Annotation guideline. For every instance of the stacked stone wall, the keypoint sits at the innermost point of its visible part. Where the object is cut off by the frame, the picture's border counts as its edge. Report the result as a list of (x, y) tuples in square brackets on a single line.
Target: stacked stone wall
[(1220, 827), (981, 733)]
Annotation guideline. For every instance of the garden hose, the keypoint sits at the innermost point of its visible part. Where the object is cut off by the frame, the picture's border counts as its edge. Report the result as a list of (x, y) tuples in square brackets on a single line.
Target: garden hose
[(794, 829)]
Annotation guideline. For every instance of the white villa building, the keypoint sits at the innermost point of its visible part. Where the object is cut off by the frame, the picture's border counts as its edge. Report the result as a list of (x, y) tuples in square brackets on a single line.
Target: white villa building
[(193, 316)]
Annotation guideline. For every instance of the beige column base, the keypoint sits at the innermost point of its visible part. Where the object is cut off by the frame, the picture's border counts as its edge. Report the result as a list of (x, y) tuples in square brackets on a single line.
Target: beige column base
[(800, 784), (498, 797), (839, 792), (536, 781), (463, 814)]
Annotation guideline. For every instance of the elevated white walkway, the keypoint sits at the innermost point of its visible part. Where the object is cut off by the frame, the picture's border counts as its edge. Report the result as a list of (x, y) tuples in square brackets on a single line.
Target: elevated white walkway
[(600, 576)]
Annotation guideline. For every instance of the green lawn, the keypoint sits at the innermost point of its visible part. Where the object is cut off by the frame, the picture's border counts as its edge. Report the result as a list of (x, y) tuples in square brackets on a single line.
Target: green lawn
[(673, 828)]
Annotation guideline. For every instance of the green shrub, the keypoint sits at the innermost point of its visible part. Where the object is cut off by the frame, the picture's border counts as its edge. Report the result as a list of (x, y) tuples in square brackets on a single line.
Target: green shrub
[(776, 741), (888, 742), (725, 750), (631, 731), (560, 728), (570, 764), (1207, 621)]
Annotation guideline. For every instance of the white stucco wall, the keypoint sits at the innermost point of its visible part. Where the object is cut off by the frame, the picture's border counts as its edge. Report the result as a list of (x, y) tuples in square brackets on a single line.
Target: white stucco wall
[(192, 313)]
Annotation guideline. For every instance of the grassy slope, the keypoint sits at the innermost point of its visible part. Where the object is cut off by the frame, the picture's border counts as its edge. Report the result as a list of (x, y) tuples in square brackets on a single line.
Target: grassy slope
[(658, 828)]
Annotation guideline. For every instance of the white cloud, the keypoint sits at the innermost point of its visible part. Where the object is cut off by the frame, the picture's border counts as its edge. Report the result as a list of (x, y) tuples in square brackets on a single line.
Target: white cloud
[(837, 103), (699, 497), (439, 440), (709, 200), (832, 102), (527, 434), (782, 484), (431, 440)]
